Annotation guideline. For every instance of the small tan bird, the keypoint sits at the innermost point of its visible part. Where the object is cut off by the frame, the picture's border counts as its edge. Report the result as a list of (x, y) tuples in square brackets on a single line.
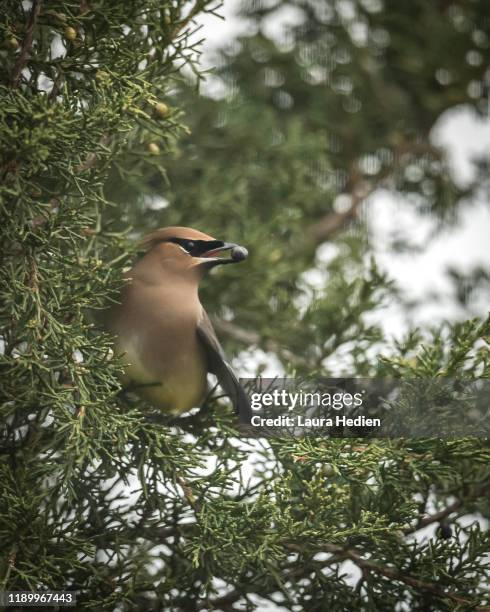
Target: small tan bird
[(162, 329)]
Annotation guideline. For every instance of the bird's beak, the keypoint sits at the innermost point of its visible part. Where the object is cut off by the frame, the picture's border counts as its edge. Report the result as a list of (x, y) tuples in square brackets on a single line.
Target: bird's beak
[(210, 258)]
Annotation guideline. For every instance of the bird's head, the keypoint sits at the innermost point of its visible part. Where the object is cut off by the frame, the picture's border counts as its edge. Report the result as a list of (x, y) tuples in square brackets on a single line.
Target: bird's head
[(187, 250)]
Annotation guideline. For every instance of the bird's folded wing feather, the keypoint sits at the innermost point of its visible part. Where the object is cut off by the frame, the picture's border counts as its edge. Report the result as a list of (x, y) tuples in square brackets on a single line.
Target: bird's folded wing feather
[(222, 369)]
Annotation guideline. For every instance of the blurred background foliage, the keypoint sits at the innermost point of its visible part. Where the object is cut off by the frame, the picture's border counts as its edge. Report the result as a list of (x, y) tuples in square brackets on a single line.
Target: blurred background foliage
[(105, 136)]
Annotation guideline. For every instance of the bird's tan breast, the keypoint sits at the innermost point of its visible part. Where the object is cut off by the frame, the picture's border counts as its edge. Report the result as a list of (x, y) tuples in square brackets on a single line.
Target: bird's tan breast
[(156, 332)]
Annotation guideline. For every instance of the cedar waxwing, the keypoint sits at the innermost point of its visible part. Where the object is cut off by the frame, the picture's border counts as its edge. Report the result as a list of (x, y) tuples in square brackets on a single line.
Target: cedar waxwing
[(166, 337)]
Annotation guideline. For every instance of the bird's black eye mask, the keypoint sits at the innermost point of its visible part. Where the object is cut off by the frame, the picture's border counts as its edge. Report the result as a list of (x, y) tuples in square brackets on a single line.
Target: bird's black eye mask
[(209, 249), (196, 248)]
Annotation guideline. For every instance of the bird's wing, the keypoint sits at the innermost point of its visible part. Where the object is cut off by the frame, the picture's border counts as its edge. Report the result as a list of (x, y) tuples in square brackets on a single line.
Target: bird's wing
[(222, 369)]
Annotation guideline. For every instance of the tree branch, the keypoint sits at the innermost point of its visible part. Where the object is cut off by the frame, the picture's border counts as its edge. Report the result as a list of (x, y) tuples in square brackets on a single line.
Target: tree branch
[(26, 43), (326, 227), (360, 189), (366, 566), (437, 516), (445, 512), (252, 338), (395, 574)]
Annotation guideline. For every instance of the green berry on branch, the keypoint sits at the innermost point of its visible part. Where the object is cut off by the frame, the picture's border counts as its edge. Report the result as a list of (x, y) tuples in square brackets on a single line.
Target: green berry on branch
[(102, 76), (328, 470), (153, 148), (12, 43), (70, 33), (162, 110)]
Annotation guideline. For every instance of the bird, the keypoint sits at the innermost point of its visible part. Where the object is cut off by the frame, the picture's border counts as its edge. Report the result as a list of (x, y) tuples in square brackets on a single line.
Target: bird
[(161, 329)]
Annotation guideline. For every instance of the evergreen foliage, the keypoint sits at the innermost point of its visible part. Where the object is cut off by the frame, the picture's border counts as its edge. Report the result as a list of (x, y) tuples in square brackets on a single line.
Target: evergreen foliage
[(133, 510)]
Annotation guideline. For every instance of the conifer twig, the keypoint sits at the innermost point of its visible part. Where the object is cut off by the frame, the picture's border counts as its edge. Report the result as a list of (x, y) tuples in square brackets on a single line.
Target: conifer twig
[(198, 6)]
